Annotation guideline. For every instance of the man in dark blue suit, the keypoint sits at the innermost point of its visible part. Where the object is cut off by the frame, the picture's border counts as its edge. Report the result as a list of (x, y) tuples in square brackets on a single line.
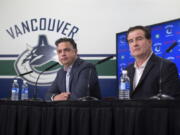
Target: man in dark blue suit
[(147, 70), (73, 79)]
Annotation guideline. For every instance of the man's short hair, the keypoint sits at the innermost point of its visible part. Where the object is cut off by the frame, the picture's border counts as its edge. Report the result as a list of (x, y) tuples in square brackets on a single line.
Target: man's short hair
[(147, 31), (70, 40)]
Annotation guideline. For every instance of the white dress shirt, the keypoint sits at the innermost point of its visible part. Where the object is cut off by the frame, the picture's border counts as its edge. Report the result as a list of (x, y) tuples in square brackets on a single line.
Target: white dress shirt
[(68, 70), (139, 71)]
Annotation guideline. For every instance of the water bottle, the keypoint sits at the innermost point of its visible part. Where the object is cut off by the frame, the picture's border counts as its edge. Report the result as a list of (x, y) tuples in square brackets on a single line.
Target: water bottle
[(124, 86), (15, 90), (24, 91)]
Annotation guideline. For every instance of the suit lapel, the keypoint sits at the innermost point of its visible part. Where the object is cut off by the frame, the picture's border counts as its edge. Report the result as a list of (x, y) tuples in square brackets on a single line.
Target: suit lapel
[(63, 79), (147, 69), (72, 72), (70, 80)]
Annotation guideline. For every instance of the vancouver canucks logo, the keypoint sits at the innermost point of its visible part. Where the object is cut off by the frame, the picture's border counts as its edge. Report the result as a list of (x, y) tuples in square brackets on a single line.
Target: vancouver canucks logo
[(169, 30), (157, 48), (36, 59)]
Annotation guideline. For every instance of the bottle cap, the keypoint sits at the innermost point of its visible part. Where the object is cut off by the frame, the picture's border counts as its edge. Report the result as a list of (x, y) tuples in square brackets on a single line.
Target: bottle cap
[(15, 80), (124, 72), (24, 81)]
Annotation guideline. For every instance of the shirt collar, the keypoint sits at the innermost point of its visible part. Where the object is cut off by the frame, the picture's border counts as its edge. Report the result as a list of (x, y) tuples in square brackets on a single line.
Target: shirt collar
[(68, 69), (145, 62)]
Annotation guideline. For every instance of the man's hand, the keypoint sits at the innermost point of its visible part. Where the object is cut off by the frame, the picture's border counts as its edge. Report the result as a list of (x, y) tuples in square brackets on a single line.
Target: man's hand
[(62, 96)]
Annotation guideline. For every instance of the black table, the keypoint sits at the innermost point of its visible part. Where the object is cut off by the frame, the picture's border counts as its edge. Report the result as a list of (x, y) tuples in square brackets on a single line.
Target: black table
[(135, 117)]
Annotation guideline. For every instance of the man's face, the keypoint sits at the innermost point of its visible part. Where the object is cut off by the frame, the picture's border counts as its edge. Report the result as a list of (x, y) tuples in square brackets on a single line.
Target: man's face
[(66, 53), (138, 44)]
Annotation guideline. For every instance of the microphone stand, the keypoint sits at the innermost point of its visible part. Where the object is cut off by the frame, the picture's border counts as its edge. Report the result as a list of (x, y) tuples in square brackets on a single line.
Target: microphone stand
[(26, 73), (160, 95), (88, 97), (36, 90)]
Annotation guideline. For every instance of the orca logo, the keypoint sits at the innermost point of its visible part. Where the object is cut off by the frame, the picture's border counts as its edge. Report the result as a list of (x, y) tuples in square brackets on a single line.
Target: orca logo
[(169, 30), (157, 48), (36, 59)]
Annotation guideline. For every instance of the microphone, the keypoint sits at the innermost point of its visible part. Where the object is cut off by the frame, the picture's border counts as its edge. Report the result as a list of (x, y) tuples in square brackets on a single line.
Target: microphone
[(46, 69), (55, 64), (104, 60), (29, 72), (25, 73), (161, 96), (171, 47), (88, 97)]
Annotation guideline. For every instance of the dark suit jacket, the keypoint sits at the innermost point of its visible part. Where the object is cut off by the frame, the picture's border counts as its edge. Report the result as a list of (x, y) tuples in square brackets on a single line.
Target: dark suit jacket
[(149, 82), (81, 74)]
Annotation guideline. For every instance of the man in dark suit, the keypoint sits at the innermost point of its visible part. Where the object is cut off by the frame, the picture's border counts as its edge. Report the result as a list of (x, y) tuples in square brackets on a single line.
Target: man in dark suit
[(147, 70), (73, 79)]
